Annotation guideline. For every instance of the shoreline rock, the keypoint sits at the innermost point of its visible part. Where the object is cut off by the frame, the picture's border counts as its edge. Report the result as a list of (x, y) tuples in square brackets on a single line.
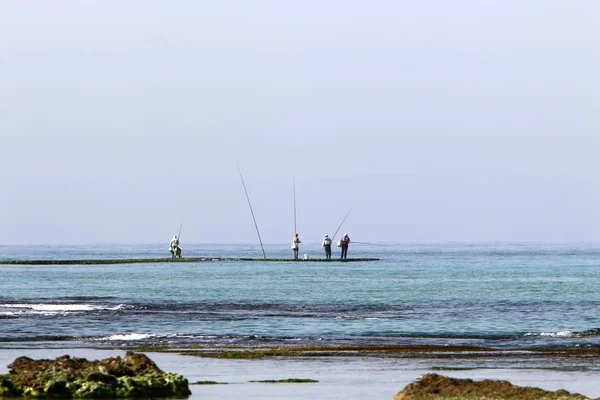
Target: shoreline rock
[(134, 375), (434, 386)]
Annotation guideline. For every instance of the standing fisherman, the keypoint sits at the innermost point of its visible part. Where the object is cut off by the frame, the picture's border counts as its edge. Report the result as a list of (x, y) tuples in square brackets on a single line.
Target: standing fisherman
[(327, 247), (345, 241), (295, 242)]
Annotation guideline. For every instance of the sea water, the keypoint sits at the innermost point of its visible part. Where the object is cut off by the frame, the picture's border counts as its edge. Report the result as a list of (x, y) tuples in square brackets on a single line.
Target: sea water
[(508, 296)]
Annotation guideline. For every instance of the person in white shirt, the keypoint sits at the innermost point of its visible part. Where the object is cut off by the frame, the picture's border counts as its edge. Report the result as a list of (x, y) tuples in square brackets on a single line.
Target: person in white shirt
[(174, 247), (295, 242), (327, 247)]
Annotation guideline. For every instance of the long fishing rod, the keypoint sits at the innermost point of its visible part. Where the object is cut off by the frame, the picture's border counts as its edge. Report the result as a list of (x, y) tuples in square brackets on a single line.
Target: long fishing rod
[(295, 229), (252, 212), (338, 229), (179, 234), (370, 244)]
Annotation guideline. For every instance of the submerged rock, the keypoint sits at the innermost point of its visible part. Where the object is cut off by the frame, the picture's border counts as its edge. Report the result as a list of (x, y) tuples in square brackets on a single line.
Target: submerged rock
[(433, 386), (134, 375)]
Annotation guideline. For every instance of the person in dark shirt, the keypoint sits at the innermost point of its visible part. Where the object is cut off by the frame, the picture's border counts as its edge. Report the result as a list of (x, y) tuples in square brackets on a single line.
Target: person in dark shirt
[(345, 242)]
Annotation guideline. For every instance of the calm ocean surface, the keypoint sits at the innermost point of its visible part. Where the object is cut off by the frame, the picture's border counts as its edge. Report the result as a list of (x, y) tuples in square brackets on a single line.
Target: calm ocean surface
[(509, 296)]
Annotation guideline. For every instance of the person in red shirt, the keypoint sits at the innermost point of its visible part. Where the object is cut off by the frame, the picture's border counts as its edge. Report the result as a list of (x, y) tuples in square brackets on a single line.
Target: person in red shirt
[(345, 242)]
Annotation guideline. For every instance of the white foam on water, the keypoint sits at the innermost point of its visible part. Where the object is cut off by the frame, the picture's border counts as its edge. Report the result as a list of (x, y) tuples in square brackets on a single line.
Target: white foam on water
[(54, 309), (142, 336), (129, 336), (57, 308), (62, 307), (560, 334)]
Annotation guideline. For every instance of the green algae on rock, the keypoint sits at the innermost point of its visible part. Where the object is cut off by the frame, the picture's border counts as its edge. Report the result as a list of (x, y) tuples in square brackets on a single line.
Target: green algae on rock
[(134, 375), (173, 260), (288, 380), (438, 387)]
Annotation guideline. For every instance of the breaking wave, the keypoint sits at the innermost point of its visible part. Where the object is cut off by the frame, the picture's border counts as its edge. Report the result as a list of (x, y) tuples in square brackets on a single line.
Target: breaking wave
[(16, 309), (567, 334)]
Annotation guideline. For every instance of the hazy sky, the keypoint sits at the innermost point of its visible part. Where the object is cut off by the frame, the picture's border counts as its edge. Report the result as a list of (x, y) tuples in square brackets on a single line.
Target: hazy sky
[(433, 121)]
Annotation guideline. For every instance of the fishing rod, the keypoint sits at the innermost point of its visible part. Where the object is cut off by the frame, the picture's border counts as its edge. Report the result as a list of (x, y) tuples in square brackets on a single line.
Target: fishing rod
[(179, 234), (370, 244), (295, 229), (252, 212), (338, 229)]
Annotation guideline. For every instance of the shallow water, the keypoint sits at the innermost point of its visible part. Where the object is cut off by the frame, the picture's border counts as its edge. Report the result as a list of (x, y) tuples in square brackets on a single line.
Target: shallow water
[(337, 378), (509, 296)]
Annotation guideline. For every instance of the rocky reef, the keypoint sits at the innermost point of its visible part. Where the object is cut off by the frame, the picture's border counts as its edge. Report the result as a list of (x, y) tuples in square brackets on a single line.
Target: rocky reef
[(134, 375), (433, 386)]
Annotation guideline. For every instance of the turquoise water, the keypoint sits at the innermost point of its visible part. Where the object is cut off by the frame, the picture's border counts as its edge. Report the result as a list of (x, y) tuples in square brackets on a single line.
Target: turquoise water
[(513, 296)]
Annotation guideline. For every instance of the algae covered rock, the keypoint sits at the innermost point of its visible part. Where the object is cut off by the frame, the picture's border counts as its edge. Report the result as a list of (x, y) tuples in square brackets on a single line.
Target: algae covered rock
[(434, 386), (134, 375)]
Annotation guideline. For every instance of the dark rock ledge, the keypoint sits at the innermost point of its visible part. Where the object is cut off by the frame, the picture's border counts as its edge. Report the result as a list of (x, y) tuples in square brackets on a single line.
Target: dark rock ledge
[(433, 386), (134, 375)]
